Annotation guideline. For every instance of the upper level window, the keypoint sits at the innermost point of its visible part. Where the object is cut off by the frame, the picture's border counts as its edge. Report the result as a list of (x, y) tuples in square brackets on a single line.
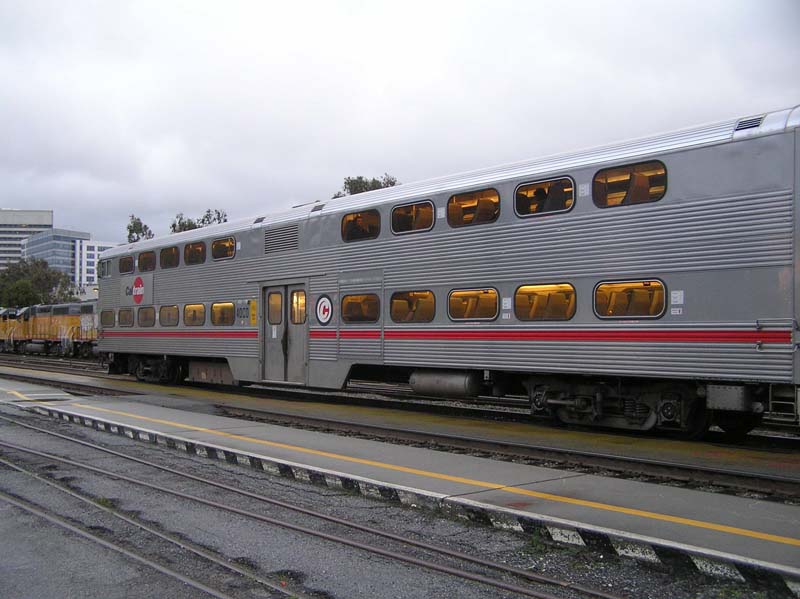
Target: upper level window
[(125, 265), (361, 308), (412, 217), (170, 257), (413, 306), (194, 253), (632, 299), (556, 195), (147, 261), (473, 208), (630, 184), (361, 225), (223, 248), (473, 304), (545, 302)]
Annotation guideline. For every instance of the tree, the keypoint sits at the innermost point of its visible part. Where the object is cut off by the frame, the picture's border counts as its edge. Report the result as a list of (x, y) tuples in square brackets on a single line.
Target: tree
[(34, 282), (354, 185), (137, 230), (211, 217)]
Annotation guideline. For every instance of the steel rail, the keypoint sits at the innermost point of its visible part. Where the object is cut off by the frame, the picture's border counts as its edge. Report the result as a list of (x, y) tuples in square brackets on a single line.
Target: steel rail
[(208, 555), (62, 523), (325, 536)]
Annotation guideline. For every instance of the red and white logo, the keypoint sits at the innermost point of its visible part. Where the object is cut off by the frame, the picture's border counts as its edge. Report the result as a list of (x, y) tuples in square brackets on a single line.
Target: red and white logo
[(324, 309), (138, 290)]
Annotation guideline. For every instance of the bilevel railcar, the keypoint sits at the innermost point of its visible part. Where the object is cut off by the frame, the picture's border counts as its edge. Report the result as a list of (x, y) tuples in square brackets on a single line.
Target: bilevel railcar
[(646, 285), (60, 329)]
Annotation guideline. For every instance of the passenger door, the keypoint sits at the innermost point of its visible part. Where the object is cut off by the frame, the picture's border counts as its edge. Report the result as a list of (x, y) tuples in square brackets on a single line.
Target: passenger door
[(285, 333)]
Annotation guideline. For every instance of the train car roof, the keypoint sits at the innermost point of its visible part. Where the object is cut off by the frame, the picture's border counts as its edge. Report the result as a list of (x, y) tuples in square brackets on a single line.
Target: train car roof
[(730, 130)]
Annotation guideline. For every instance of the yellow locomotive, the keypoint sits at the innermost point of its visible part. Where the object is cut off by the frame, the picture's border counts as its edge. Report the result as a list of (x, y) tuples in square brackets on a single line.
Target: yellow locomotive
[(60, 329)]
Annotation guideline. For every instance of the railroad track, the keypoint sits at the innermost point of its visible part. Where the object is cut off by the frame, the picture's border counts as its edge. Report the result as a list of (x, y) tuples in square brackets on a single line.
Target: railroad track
[(475, 569)]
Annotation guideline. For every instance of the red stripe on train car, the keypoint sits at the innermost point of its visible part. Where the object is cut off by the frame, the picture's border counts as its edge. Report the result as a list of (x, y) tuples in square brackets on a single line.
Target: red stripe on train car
[(629, 336), (185, 334)]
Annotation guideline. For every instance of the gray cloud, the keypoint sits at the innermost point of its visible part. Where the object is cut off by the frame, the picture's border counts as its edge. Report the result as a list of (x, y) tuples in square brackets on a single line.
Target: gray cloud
[(155, 108)]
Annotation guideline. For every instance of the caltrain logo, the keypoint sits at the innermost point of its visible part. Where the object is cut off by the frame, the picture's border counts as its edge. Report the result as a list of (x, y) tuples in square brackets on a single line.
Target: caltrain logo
[(324, 309), (137, 291)]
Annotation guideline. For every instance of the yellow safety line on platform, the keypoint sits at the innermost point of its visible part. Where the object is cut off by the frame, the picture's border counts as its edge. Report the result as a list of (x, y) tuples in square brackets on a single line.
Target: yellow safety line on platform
[(467, 481)]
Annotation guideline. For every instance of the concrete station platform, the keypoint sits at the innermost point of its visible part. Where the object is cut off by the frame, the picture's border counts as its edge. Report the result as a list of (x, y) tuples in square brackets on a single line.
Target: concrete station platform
[(726, 535)]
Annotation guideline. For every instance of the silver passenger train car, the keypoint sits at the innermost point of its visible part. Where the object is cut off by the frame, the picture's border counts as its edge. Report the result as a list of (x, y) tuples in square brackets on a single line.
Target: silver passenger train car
[(646, 285)]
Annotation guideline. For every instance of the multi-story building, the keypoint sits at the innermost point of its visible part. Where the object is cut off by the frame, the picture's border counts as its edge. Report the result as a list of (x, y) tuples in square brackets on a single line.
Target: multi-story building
[(71, 252), (15, 227)]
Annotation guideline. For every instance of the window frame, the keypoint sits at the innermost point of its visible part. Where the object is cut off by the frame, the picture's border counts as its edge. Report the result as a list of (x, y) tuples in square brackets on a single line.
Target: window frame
[(113, 319), (342, 225), (360, 322), (177, 315), (231, 257), (139, 261), (473, 223), (496, 312), (631, 165), (516, 291), (233, 314), (194, 324), (623, 281), (433, 317), (119, 317), (161, 259), (139, 316), (412, 231), (133, 265), (547, 180), (186, 247)]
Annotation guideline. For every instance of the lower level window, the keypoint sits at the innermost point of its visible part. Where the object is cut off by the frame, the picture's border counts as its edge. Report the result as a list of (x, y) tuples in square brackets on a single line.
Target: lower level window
[(413, 306), (631, 299), (222, 314), (107, 318), (545, 302), (473, 304), (168, 316), (146, 317), (194, 315), (361, 308), (126, 317)]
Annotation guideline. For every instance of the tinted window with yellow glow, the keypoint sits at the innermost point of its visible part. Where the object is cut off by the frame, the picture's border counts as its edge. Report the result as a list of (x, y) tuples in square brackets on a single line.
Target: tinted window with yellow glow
[(361, 308), (631, 184), (125, 265), (543, 197), (194, 315), (633, 299), (147, 261), (473, 304), (170, 257), (358, 226), (545, 302), (223, 248), (413, 306), (146, 317), (107, 318), (168, 316), (474, 208), (194, 253), (222, 314), (298, 307), (275, 308), (126, 317), (412, 217)]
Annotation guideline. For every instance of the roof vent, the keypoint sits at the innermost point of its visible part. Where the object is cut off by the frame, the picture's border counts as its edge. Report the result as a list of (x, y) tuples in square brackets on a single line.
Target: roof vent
[(750, 122), (260, 219), (318, 207), (282, 239)]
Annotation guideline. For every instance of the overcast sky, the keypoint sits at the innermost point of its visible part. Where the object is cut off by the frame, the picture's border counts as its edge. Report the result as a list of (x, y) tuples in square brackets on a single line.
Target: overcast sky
[(153, 108)]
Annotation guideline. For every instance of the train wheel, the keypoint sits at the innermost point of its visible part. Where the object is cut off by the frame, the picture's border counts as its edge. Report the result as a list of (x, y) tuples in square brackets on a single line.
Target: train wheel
[(737, 424)]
